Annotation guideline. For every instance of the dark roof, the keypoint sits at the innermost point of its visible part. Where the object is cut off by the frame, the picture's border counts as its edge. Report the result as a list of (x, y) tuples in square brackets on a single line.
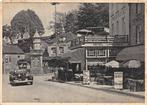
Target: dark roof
[(132, 53), (70, 36), (12, 49), (53, 39), (76, 55)]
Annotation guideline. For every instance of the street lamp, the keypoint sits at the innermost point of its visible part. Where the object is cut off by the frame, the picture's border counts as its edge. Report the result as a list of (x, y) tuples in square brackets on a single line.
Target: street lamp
[(55, 14), (54, 3)]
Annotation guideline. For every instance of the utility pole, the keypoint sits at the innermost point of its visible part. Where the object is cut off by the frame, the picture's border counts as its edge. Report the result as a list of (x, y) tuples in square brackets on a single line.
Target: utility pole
[(54, 3)]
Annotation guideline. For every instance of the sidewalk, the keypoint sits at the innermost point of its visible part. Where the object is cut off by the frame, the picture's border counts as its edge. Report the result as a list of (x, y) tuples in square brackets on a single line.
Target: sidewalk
[(109, 88)]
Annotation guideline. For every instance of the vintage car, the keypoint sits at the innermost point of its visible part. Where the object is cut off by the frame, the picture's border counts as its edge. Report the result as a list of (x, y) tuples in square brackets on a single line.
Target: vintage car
[(21, 74)]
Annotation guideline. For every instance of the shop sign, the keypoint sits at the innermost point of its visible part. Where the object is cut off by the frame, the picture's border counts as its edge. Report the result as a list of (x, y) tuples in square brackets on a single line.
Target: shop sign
[(118, 80), (86, 77)]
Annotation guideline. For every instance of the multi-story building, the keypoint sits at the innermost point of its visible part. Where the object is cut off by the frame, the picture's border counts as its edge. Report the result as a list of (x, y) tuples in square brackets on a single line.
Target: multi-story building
[(137, 20), (119, 19), (135, 51), (60, 45), (135, 26), (94, 49)]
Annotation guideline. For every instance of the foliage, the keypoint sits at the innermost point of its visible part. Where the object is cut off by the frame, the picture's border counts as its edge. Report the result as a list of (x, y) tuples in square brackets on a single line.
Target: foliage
[(71, 21), (88, 15), (27, 21), (93, 15), (7, 31)]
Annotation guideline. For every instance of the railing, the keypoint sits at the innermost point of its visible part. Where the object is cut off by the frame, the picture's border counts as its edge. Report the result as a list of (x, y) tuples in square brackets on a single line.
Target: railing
[(113, 40)]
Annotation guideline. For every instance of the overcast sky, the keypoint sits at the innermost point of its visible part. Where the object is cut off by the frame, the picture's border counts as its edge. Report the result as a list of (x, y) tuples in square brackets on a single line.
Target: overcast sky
[(45, 11)]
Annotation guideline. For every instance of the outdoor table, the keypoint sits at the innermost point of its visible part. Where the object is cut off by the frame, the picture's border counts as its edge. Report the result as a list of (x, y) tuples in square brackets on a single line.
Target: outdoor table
[(108, 80), (135, 85)]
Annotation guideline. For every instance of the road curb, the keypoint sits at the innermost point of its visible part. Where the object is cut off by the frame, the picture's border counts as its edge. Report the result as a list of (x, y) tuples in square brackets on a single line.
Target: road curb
[(109, 90)]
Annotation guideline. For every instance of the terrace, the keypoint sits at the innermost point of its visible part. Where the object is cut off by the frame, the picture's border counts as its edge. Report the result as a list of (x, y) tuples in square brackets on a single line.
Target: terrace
[(83, 41)]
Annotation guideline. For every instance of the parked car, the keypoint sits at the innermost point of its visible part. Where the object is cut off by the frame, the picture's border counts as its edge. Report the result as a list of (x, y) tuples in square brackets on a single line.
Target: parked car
[(21, 75)]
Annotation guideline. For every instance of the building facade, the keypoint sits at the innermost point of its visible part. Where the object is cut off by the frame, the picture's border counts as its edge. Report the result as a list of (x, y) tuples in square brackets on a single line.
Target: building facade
[(11, 54), (119, 19), (137, 20), (99, 49), (57, 50), (135, 51), (127, 19), (136, 33)]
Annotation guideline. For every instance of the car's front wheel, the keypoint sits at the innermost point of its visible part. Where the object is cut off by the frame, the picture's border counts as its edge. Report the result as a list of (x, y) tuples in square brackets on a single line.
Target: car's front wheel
[(12, 83), (30, 83)]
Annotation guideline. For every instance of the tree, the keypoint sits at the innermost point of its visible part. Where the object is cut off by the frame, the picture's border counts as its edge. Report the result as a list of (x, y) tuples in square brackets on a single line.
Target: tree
[(7, 31), (88, 15), (71, 21), (59, 24), (93, 15), (27, 21)]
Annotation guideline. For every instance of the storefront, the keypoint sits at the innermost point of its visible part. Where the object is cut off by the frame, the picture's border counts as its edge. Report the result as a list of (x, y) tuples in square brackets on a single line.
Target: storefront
[(133, 62), (76, 59)]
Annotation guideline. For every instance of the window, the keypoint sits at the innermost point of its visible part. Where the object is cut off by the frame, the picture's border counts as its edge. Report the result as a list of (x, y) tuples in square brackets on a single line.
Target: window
[(101, 52), (123, 26), (117, 27), (138, 8), (9, 59), (6, 59), (61, 49), (53, 50), (112, 28), (138, 34), (77, 41), (91, 52), (18, 56)]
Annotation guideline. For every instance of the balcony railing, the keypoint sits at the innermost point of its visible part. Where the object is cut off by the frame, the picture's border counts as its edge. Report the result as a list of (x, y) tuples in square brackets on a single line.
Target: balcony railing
[(112, 40)]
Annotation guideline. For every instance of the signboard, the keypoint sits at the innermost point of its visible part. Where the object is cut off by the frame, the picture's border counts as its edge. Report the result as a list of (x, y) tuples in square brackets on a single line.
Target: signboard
[(35, 62), (118, 80), (86, 77)]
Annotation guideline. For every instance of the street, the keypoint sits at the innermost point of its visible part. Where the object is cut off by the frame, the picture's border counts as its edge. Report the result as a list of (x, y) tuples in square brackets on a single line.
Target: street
[(48, 91)]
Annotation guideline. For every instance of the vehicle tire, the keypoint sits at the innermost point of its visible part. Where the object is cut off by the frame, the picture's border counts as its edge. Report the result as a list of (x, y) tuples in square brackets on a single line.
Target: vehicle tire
[(12, 83), (31, 83)]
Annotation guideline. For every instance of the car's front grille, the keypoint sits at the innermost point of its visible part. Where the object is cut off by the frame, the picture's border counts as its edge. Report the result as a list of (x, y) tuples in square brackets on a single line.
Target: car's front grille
[(21, 77)]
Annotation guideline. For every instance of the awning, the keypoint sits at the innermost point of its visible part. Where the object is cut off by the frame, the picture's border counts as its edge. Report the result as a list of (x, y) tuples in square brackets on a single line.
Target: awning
[(55, 58), (113, 64), (75, 56), (132, 53), (84, 31), (92, 63), (132, 64)]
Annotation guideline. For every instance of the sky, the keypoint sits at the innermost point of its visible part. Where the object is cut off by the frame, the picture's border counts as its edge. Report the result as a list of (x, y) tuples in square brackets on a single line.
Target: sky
[(45, 11)]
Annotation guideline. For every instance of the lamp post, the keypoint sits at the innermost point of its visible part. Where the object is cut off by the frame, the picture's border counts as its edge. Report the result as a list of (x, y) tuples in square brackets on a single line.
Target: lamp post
[(54, 3), (55, 15)]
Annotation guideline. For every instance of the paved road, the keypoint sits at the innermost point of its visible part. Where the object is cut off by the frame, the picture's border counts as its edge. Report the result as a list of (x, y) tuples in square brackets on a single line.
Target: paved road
[(47, 91)]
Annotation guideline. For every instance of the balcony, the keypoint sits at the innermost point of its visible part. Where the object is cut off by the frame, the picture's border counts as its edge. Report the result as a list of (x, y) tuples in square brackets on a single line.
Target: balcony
[(117, 40)]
